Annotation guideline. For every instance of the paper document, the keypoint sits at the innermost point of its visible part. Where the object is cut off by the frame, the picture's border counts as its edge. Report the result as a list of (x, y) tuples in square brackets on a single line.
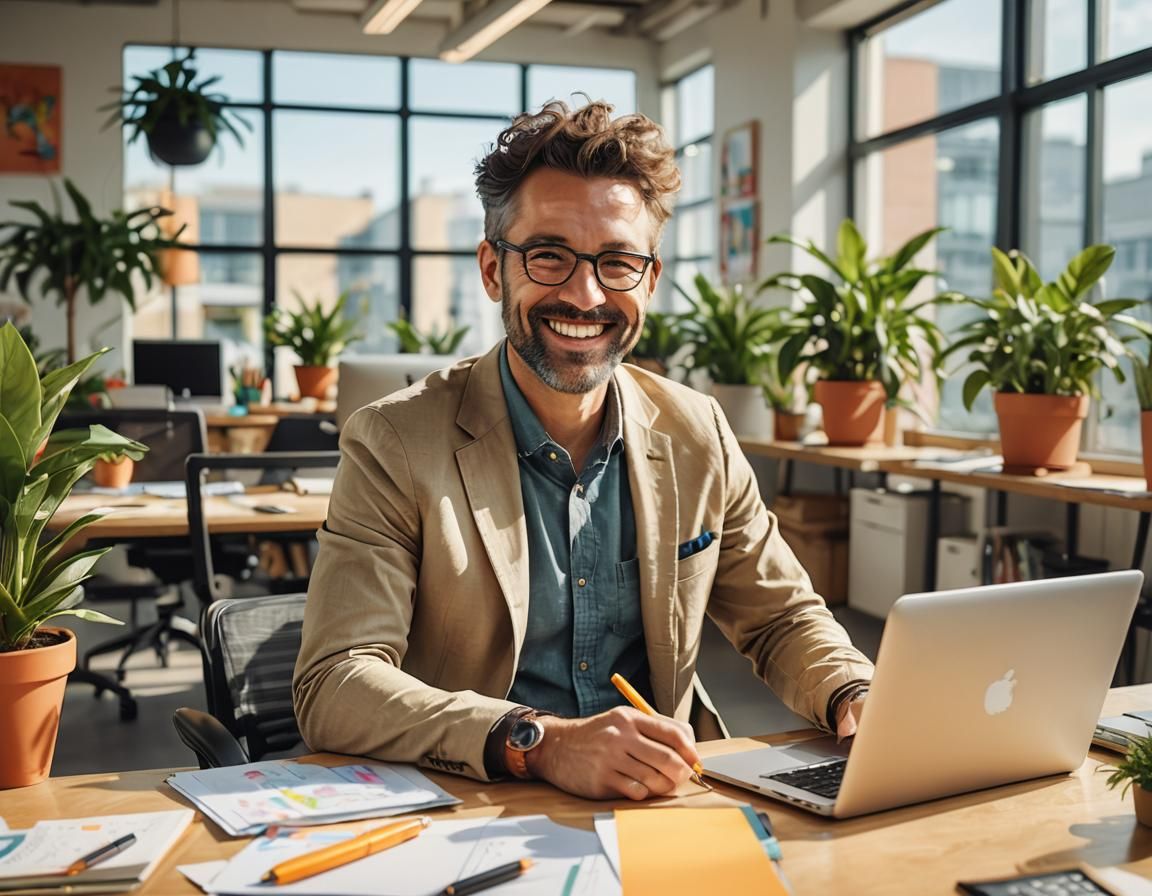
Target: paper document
[(39, 857), (311, 485), (245, 799), (567, 861)]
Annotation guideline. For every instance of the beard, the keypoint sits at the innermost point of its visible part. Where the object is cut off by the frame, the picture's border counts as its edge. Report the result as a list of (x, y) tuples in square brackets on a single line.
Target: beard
[(572, 372)]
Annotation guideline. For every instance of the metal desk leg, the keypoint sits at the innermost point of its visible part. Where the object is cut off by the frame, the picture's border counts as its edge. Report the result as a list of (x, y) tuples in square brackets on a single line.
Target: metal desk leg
[(1001, 508), (1071, 529), (1137, 561), (932, 536)]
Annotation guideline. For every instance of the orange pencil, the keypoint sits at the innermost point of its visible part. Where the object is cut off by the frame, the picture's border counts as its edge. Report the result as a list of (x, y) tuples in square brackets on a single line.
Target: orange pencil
[(321, 860), (633, 696)]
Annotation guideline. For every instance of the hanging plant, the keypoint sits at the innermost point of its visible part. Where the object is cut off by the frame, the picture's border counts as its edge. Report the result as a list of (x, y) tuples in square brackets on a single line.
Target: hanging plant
[(178, 116)]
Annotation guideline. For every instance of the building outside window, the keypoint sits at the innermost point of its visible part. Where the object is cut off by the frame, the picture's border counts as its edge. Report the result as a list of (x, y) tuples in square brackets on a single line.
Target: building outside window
[(1051, 160)]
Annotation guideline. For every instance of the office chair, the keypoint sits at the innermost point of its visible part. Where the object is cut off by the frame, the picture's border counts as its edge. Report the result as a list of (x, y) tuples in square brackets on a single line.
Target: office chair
[(207, 549), (170, 436), (249, 647)]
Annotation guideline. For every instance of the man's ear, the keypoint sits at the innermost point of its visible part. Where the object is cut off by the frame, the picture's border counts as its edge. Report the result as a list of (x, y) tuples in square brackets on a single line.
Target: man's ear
[(489, 261), (654, 275)]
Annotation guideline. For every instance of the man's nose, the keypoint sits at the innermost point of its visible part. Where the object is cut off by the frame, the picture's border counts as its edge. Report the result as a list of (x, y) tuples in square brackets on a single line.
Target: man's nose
[(583, 290)]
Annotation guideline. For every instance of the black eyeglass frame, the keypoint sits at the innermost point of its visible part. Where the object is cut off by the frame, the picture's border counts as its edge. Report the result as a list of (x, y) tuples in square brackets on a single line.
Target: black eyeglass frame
[(593, 260)]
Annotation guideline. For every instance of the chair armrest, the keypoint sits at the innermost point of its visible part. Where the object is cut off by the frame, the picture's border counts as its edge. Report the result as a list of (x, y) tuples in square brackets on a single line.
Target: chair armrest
[(207, 737)]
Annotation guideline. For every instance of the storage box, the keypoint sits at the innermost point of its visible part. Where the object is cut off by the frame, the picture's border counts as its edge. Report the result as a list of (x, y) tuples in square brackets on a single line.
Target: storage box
[(816, 528)]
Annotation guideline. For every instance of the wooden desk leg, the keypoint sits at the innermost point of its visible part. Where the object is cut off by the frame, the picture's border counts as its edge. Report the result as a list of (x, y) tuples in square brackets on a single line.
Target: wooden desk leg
[(933, 536)]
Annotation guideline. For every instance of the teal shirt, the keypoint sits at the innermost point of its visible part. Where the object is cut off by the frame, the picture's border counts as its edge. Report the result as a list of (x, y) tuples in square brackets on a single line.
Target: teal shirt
[(584, 593)]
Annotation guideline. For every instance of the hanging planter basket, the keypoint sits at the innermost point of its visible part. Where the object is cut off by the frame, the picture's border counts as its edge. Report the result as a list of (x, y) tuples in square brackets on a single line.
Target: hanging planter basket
[(175, 143)]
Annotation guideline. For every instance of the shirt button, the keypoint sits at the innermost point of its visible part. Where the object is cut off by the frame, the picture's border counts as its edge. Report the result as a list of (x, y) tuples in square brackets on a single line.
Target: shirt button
[(551, 455), (581, 582), (583, 666)]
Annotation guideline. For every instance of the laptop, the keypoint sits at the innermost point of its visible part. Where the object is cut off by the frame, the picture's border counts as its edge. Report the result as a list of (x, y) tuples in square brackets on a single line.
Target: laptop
[(364, 378), (973, 688)]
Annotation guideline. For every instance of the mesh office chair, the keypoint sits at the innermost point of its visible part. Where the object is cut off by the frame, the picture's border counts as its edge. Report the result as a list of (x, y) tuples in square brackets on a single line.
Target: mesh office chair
[(249, 646)]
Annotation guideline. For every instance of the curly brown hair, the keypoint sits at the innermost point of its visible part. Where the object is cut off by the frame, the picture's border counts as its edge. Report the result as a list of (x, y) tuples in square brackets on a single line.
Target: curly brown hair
[(587, 142)]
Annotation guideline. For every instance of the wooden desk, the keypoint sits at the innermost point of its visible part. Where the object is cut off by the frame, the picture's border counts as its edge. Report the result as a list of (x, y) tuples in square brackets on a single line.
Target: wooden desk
[(144, 516), (239, 434), (922, 850), (867, 459)]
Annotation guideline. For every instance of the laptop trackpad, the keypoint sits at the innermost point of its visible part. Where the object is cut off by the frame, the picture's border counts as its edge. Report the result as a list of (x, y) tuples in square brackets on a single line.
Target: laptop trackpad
[(778, 759)]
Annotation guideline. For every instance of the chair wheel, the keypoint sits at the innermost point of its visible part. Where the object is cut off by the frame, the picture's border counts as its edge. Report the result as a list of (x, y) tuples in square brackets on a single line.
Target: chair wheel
[(128, 709)]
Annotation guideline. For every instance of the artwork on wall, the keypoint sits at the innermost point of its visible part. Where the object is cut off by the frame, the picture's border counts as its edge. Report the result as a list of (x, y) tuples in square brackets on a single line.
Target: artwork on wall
[(739, 240), (738, 161), (30, 107)]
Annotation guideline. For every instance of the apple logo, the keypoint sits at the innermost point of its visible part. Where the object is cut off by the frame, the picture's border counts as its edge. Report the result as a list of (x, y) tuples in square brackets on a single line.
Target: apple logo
[(998, 697)]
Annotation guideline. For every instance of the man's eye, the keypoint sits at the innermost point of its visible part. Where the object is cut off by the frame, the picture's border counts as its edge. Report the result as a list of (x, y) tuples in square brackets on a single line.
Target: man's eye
[(543, 254), (621, 263)]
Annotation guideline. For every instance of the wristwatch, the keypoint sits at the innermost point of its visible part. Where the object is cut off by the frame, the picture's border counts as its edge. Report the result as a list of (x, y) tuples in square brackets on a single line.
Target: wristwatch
[(525, 734)]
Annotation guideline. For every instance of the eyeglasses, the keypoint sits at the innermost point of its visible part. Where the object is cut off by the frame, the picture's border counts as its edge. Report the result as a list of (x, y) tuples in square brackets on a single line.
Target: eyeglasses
[(551, 264)]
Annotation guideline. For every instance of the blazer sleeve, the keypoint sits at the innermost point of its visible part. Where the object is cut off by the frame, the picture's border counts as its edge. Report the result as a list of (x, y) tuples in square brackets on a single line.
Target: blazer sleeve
[(763, 602), (349, 690)]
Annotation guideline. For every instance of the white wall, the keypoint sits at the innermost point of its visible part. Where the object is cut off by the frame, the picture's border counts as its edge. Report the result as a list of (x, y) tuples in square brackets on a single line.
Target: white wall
[(87, 42)]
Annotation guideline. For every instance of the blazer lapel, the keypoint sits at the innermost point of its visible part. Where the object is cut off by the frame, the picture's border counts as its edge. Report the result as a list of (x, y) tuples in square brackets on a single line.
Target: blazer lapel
[(491, 478)]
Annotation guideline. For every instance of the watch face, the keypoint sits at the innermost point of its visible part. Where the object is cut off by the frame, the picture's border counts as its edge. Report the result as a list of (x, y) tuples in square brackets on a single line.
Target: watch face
[(525, 734)]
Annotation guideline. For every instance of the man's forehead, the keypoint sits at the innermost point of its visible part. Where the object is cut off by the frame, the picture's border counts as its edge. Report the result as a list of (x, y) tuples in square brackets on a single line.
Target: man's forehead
[(558, 204)]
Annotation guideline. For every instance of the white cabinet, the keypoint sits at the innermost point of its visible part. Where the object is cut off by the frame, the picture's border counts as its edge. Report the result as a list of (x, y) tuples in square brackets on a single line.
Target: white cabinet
[(887, 544), (958, 562)]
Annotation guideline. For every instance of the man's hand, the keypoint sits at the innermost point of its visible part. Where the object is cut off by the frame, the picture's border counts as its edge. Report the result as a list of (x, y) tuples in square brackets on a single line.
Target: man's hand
[(848, 716), (619, 753)]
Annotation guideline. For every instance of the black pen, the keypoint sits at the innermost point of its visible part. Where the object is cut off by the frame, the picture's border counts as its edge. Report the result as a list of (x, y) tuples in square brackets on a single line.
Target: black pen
[(485, 879), (99, 855)]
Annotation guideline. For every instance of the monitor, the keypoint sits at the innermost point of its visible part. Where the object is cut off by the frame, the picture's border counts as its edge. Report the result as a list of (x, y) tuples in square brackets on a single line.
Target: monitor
[(191, 368), (364, 378)]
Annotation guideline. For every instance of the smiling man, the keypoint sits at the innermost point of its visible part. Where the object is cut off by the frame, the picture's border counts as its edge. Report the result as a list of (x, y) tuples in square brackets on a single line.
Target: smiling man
[(507, 534)]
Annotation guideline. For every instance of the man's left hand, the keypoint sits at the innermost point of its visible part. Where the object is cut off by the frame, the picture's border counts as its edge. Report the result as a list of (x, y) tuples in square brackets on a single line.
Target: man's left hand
[(848, 716)]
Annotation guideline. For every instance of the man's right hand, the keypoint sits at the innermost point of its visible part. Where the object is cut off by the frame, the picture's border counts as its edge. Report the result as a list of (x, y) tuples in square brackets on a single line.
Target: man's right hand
[(619, 753)]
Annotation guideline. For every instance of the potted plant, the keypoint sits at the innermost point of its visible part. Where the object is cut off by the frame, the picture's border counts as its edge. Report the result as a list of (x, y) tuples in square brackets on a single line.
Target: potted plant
[(433, 342), (1136, 768), (663, 337), (39, 580), (53, 256), (730, 337), (317, 335), (178, 116), (1142, 374), (1039, 346), (783, 397), (860, 333)]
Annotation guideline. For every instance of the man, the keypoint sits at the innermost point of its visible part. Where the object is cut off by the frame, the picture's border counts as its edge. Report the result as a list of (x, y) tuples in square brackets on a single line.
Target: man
[(506, 535)]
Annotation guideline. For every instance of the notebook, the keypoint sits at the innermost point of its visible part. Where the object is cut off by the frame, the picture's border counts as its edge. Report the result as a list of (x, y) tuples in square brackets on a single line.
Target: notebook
[(974, 688)]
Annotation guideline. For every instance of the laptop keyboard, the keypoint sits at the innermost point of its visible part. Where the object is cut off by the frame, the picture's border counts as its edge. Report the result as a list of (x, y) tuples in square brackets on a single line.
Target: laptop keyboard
[(823, 778)]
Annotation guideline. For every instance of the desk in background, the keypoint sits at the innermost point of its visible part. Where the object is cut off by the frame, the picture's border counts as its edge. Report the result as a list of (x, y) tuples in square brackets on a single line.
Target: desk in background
[(249, 433), (923, 850)]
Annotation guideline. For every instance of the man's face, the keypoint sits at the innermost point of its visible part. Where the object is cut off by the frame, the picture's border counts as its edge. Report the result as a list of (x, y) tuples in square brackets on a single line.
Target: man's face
[(573, 335)]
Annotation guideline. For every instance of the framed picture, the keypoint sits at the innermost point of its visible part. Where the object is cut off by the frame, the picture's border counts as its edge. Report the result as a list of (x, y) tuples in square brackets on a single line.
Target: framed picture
[(739, 240), (30, 107), (738, 161)]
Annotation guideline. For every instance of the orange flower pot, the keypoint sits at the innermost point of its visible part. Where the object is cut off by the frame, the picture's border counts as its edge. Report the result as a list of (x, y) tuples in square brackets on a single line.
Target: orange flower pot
[(314, 382), (1040, 430), (853, 412), (788, 426), (31, 694), (113, 474), (1146, 441)]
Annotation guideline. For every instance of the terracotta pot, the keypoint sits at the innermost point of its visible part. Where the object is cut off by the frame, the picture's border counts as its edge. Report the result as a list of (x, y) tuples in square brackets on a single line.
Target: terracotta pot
[(314, 382), (1143, 800), (1146, 441), (31, 694), (1040, 430), (788, 426), (113, 474), (853, 412), (747, 412)]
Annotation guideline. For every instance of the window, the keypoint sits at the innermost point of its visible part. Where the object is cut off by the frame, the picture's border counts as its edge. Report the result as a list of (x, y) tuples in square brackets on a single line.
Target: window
[(690, 240), (946, 134), (343, 184)]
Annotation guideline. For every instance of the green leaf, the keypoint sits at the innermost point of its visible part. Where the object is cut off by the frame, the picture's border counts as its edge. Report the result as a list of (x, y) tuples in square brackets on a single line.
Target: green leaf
[(850, 250)]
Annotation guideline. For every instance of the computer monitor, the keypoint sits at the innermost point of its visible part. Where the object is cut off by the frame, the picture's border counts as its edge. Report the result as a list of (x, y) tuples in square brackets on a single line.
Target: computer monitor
[(191, 368)]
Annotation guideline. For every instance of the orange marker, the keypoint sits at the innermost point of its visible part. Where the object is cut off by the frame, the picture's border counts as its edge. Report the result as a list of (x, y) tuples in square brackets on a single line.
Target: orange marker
[(633, 696), (362, 846)]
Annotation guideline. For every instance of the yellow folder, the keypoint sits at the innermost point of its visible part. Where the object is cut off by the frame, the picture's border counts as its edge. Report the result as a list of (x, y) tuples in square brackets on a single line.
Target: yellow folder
[(666, 852)]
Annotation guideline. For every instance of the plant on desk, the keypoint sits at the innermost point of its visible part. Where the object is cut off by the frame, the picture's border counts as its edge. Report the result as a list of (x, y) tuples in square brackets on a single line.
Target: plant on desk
[(431, 342), (317, 334), (860, 332), (40, 580), (1136, 768), (1039, 347), (1142, 374)]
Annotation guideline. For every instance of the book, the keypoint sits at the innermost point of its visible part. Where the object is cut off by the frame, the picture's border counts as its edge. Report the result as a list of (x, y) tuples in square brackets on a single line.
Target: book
[(246, 799), (36, 860)]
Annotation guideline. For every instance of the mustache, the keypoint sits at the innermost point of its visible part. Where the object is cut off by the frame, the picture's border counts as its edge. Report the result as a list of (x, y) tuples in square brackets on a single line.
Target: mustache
[(569, 312)]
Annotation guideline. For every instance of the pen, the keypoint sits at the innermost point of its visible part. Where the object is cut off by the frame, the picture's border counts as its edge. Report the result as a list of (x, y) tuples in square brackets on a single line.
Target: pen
[(99, 855), (633, 696), (338, 854), (485, 879)]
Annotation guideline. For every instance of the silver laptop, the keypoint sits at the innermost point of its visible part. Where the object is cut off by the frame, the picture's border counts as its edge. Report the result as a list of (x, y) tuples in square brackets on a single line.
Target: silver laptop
[(973, 688), (364, 378)]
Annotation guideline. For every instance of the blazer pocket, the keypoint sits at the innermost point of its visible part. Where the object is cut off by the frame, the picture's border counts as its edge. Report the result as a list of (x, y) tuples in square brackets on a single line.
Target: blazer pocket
[(697, 564)]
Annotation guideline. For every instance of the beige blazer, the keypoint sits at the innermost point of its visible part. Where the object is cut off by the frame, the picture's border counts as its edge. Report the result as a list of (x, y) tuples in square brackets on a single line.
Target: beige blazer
[(419, 597)]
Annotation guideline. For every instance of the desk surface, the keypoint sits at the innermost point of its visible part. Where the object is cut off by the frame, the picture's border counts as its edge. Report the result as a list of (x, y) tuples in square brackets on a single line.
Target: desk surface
[(145, 516), (866, 459), (921, 850)]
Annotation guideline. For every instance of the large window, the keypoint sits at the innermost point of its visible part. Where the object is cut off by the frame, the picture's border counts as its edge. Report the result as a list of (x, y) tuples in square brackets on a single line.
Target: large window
[(690, 239), (1017, 123), (356, 176)]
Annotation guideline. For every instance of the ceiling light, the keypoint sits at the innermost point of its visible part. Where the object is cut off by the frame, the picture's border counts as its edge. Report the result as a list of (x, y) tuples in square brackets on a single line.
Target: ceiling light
[(486, 27), (384, 15)]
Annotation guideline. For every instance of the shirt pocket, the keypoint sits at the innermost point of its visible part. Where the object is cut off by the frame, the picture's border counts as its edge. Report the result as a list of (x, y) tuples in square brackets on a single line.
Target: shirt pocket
[(624, 618)]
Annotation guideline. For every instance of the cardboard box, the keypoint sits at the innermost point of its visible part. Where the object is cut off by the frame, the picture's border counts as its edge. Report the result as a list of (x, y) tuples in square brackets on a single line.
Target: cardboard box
[(816, 528)]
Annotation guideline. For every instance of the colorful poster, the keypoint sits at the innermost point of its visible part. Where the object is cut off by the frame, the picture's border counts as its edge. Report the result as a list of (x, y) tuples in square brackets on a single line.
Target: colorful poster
[(30, 106)]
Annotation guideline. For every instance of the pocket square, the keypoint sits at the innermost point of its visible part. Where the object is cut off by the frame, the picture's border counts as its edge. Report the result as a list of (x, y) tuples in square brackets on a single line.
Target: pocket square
[(695, 545)]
